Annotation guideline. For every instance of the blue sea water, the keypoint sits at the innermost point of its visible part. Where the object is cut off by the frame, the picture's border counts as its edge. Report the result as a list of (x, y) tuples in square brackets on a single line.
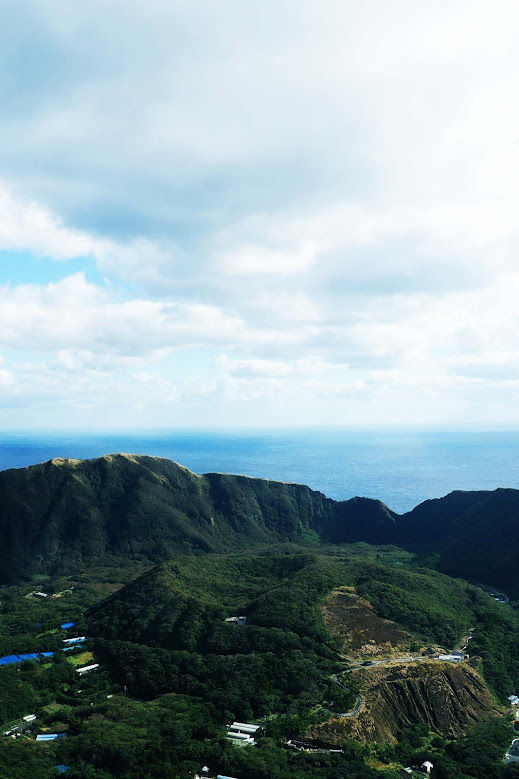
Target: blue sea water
[(400, 468)]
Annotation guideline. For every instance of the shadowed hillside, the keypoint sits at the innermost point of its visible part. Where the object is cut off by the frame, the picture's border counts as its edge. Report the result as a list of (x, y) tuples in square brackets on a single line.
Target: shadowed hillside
[(474, 534), (71, 512), (68, 513)]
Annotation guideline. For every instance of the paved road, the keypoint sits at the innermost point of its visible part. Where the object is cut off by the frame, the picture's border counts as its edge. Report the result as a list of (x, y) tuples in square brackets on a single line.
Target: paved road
[(358, 705), (397, 660), (373, 663)]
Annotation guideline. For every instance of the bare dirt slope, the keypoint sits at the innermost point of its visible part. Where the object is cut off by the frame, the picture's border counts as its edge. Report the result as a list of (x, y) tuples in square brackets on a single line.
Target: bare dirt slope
[(358, 630), (447, 698)]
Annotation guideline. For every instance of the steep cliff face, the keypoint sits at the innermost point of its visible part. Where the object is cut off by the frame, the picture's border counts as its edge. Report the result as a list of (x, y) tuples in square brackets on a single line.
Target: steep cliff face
[(73, 512), (446, 698)]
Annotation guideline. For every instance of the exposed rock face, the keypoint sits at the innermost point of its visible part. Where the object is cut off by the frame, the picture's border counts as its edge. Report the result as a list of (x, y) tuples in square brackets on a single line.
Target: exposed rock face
[(446, 698), (358, 630)]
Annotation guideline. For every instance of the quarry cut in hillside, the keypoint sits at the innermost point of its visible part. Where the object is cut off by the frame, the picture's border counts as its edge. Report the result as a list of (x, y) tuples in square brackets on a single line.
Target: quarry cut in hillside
[(446, 698), (359, 632)]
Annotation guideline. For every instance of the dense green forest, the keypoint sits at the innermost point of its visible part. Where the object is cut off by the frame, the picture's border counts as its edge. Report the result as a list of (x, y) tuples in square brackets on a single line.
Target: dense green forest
[(177, 673)]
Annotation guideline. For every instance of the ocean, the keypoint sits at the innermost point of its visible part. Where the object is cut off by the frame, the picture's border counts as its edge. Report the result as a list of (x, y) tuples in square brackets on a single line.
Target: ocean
[(400, 468)]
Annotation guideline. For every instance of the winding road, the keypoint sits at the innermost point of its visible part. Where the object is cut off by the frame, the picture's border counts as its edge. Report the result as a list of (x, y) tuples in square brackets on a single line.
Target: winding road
[(358, 705), (396, 660)]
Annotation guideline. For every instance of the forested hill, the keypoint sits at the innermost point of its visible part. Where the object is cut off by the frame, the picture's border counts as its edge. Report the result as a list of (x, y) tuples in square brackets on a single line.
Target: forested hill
[(69, 512)]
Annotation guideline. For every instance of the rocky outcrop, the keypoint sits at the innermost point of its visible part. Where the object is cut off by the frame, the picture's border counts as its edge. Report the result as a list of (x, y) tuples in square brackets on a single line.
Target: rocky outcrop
[(446, 698)]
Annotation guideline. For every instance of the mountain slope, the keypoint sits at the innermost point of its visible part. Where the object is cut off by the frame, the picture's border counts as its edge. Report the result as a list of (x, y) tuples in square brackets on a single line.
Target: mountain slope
[(66, 513), (475, 534), (182, 605), (167, 632), (69, 512)]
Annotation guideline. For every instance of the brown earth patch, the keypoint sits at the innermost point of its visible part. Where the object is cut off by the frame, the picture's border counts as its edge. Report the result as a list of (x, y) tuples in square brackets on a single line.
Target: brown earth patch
[(358, 630), (447, 698)]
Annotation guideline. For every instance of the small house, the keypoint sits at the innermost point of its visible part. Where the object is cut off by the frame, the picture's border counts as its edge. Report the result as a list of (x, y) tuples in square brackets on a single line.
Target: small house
[(50, 736), (237, 620), (514, 700), (76, 640), (426, 766)]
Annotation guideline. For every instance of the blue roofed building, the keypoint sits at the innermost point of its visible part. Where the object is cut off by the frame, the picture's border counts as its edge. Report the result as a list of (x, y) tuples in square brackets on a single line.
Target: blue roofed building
[(8, 659)]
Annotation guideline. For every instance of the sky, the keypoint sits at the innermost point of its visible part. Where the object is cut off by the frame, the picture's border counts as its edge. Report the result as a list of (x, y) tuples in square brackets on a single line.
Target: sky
[(245, 215)]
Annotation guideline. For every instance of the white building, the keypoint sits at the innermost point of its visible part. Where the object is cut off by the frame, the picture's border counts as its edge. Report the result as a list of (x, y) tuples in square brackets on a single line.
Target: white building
[(426, 766), (243, 727), (243, 738), (237, 620), (86, 668), (242, 732)]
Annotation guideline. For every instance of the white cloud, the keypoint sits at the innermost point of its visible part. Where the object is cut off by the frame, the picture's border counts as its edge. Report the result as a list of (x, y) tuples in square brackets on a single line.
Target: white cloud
[(310, 207)]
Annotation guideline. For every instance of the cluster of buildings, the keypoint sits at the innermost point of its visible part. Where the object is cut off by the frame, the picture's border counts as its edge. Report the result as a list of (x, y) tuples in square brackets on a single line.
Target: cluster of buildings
[(243, 733), (17, 730), (70, 643), (498, 596)]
